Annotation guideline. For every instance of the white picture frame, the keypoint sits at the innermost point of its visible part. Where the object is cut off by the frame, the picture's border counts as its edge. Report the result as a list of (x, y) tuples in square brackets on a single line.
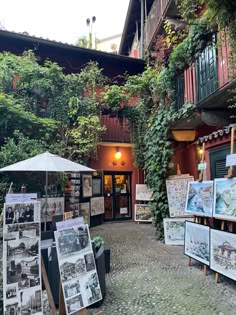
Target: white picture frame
[(225, 198), (97, 206), (197, 242), (200, 198), (174, 230), (223, 253), (143, 193), (142, 213)]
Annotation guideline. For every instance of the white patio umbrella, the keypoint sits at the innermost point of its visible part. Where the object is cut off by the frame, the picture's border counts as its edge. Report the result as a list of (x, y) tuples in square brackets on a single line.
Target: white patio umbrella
[(46, 162)]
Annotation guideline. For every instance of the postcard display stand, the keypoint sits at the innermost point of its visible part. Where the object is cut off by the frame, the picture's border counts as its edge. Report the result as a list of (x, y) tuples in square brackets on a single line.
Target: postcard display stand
[(176, 192), (22, 288), (79, 278), (221, 252), (72, 193), (142, 210)]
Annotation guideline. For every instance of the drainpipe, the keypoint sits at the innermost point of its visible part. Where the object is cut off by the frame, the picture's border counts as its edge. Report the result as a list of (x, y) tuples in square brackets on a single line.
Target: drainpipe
[(142, 31)]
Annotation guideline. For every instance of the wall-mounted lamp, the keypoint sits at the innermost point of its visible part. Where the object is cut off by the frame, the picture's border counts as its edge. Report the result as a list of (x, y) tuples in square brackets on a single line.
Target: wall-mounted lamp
[(118, 154)]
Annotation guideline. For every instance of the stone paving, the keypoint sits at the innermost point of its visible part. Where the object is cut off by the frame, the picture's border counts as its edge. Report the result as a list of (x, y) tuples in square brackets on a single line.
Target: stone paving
[(148, 277)]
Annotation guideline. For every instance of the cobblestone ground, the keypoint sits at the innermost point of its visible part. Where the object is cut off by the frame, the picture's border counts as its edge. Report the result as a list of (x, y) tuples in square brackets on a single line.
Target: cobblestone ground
[(148, 277)]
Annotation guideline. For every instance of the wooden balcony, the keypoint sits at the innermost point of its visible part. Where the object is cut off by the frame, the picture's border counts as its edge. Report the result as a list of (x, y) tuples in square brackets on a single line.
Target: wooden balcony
[(154, 23), (116, 132), (207, 81)]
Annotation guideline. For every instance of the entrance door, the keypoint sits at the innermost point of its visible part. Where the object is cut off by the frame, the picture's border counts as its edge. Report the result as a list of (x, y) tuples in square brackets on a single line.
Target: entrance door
[(117, 195)]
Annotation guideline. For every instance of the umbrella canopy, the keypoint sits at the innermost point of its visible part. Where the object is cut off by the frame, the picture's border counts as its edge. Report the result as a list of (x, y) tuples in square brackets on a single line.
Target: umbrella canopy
[(47, 162)]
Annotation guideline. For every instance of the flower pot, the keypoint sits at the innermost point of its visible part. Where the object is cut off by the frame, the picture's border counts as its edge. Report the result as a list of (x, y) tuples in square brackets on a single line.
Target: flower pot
[(107, 253)]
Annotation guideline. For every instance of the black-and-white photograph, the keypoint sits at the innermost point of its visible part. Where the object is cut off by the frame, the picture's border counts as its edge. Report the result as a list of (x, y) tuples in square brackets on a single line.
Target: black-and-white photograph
[(21, 212), (73, 268), (16, 231), (22, 248), (31, 302), (87, 185), (11, 291), (72, 288), (13, 308), (74, 304), (73, 240), (25, 272), (92, 289), (89, 261)]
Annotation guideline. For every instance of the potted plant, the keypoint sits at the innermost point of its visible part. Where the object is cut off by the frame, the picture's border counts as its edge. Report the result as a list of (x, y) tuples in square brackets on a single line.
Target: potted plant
[(98, 243)]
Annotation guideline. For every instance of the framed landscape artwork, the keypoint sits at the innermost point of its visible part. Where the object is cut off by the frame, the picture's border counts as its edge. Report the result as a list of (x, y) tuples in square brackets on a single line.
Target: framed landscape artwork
[(225, 198), (197, 242), (176, 193), (223, 253), (200, 198), (97, 206), (174, 231), (143, 213), (143, 193)]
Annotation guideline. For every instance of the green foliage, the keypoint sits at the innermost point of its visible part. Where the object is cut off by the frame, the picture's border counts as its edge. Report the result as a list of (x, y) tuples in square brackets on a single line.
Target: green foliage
[(98, 242), (115, 97), (189, 9), (82, 41)]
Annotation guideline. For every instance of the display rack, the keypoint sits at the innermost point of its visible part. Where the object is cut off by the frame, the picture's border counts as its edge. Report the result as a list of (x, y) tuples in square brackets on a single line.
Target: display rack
[(72, 193)]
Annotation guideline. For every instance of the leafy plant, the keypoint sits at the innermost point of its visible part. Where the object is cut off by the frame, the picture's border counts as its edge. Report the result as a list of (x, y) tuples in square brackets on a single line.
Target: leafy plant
[(98, 242)]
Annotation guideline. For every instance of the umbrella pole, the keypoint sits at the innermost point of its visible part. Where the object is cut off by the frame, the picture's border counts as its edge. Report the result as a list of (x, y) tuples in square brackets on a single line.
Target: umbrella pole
[(46, 201)]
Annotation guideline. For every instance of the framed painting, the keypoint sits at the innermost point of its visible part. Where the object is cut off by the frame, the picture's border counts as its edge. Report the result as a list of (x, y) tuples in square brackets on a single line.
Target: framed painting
[(223, 253), (176, 187), (174, 231), (97, 206), (200, 198), (84, 211), (97, 186), (87, 185), (143, 193), (143, 213), (197, 242), (56, 206), (225, 198)]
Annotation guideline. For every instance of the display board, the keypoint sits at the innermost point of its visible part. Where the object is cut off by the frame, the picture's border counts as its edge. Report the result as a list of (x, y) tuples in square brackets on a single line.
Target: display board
[(225, 198), (197, 242), (174, 230), (200, 198), (176, 194), (143, 213), (143, 193), (22, 288), (77, 267)]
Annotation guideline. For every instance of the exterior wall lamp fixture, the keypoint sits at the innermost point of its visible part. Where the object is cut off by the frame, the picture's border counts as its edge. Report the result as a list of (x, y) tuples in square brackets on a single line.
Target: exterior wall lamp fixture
[(117, 157)]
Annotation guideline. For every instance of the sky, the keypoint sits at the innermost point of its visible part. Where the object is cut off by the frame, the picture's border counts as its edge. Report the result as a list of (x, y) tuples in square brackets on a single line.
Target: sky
[(63, 20)]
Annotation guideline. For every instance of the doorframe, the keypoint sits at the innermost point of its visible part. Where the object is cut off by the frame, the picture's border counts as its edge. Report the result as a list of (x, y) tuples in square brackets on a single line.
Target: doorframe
[(112, 173)]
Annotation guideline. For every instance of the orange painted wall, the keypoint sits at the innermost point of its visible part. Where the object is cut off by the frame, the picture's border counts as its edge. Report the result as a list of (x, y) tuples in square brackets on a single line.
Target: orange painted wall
[(105, 163)]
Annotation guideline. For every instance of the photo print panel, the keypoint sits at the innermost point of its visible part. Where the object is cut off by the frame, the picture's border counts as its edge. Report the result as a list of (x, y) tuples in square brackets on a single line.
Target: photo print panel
[(225, 198), (174, 230), (223, 253), (24, 212), (22, 292), (84, 211), (87, 186), (77, 267), (143, 213), (97, 206), (200, 198), (197, 242), (176, 194)]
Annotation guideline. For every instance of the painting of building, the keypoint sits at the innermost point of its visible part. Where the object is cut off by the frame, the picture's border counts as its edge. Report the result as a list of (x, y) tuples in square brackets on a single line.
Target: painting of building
[(174, 231), (223, 253)]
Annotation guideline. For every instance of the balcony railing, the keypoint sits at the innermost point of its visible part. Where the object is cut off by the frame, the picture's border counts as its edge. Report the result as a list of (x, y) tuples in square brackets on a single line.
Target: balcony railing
[(115, 131), (154, 19), (209, 74)]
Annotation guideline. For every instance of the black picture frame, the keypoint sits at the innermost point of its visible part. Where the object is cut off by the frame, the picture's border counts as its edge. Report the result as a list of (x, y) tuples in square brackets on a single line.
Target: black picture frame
[(87, 189), (97, 186)]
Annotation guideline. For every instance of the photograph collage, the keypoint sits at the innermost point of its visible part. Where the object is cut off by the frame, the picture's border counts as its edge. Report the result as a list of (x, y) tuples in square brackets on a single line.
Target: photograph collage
[(77, 268), (21, 259)]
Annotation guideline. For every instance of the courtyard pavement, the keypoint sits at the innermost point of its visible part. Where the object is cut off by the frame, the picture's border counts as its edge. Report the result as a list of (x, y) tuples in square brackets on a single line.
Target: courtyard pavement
[(148, 277)]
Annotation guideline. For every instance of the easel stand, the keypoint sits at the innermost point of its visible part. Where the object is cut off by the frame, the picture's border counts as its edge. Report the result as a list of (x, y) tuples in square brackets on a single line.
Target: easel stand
[(199, 219), (48, 289), (229, 175)]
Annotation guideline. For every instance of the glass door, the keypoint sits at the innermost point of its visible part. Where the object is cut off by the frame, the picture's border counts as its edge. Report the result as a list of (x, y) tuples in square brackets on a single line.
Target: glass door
[(117, 195)]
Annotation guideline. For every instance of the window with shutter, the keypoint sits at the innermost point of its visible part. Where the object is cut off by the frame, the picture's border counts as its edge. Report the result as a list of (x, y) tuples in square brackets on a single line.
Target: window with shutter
[(217, 162)]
